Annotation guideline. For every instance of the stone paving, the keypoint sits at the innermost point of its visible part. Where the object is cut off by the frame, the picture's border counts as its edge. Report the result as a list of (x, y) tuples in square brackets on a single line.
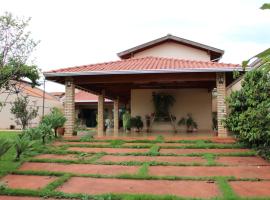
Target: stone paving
[(135, 168)]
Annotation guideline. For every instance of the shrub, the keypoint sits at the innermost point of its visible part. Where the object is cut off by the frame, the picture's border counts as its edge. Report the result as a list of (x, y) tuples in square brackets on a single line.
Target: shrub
[(249, 116), (45, 132), (188, 122), (22, 144), (32, 133), (55, 119), (4, 146)]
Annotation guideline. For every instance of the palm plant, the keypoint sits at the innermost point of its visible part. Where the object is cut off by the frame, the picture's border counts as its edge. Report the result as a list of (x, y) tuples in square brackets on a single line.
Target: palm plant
[(4, 146), (188, 122), (22, 144), (55, 119)]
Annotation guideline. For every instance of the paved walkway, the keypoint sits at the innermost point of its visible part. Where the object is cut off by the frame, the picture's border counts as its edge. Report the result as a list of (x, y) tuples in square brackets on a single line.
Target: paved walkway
[(203, 167)]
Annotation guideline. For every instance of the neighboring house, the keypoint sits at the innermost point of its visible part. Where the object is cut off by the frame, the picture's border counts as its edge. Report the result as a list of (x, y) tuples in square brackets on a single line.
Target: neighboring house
[(86, 107), (35, 96), (185, 69)]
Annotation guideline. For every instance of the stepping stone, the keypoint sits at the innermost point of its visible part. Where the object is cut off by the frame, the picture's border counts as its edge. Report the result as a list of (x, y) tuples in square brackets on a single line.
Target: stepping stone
[(88, 143), (230, 160), (57, 156), (171, 159), (195, 189), (26, 198), (138, 144), (223, 140), (203, 171), (19, 198), (173, 144), (80, 168), (27, 181), (251, 188), (189, 151), (107, 150)]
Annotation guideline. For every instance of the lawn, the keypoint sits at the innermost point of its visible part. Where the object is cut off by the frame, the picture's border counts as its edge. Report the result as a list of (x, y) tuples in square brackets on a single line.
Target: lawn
[(7, 162), (135, 169)]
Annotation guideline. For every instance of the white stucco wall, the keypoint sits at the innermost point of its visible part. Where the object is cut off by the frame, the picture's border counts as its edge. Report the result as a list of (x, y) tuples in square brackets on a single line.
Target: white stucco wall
[(195, 101), (7, 119), (174, 50)]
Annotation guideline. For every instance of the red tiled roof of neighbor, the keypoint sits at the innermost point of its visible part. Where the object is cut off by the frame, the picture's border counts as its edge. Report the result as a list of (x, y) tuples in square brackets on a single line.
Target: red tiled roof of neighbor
[(28, 90), (148, 64), (82, 96)]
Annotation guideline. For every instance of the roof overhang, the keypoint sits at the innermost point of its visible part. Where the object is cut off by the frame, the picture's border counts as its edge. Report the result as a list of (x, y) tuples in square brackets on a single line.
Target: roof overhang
[(121, 72)]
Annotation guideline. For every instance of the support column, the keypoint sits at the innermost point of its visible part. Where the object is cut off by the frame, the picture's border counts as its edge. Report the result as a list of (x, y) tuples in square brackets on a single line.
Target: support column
[(221, 104), (115, 117), (69, 106), (100, 120)]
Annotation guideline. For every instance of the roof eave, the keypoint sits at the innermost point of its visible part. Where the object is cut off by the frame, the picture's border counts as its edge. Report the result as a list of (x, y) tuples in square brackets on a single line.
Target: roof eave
[(120, 72)]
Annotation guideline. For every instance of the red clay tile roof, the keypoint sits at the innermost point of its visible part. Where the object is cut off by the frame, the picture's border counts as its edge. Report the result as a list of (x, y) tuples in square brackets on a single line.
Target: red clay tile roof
[(28, 90), (146, 64), (82, 96)]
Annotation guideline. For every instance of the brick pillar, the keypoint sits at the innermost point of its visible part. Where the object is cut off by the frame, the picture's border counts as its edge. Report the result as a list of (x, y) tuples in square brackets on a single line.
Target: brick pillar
[(115, 117), (221, 104), (100, 118), (69, 106)]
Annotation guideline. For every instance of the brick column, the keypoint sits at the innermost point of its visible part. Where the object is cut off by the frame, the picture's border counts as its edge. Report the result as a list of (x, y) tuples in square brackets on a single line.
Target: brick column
[(69, 106), (100, 118), (221, 104), (115, 117)]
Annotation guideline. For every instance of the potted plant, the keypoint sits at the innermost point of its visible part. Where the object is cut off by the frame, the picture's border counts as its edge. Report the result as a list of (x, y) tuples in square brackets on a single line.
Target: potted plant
[(126, 121), (162, 103), (136, 122), (189, 122)]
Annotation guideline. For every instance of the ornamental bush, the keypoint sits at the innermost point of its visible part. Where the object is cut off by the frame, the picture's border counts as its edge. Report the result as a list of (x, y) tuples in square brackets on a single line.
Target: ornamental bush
[(249, 107)]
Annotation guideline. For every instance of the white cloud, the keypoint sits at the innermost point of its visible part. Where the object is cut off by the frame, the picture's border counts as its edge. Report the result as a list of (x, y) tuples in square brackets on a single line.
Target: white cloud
[(76, 32)]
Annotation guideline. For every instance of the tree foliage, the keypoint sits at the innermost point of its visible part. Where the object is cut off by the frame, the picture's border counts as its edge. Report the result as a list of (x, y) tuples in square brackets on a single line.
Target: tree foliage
[(16, 46), (265, 6), (23, 112), (249, 108)]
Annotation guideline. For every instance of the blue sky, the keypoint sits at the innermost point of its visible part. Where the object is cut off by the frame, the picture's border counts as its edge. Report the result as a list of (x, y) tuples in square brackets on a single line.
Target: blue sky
[(76, 32)]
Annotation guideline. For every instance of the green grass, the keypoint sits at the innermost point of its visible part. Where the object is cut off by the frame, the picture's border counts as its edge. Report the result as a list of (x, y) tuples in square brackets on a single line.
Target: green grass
[(7, 163)]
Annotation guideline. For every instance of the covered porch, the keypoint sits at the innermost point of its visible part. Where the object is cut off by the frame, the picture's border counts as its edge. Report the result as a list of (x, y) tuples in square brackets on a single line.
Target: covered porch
[(130, 84)]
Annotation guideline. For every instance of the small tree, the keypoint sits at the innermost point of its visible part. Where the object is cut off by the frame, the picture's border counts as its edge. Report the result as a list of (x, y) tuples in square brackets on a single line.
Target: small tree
[(16, 46), (55, 119), (22, 112)]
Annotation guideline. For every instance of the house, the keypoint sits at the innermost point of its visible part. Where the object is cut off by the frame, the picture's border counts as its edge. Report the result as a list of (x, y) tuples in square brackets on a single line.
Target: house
[(187, 70), (35, 96)]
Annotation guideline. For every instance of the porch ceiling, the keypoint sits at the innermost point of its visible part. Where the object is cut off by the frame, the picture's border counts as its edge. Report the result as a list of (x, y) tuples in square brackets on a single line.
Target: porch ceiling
[(120, 85)]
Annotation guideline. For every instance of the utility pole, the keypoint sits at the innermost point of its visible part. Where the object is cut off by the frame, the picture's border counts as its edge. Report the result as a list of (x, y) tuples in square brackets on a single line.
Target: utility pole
[(43, 100)]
